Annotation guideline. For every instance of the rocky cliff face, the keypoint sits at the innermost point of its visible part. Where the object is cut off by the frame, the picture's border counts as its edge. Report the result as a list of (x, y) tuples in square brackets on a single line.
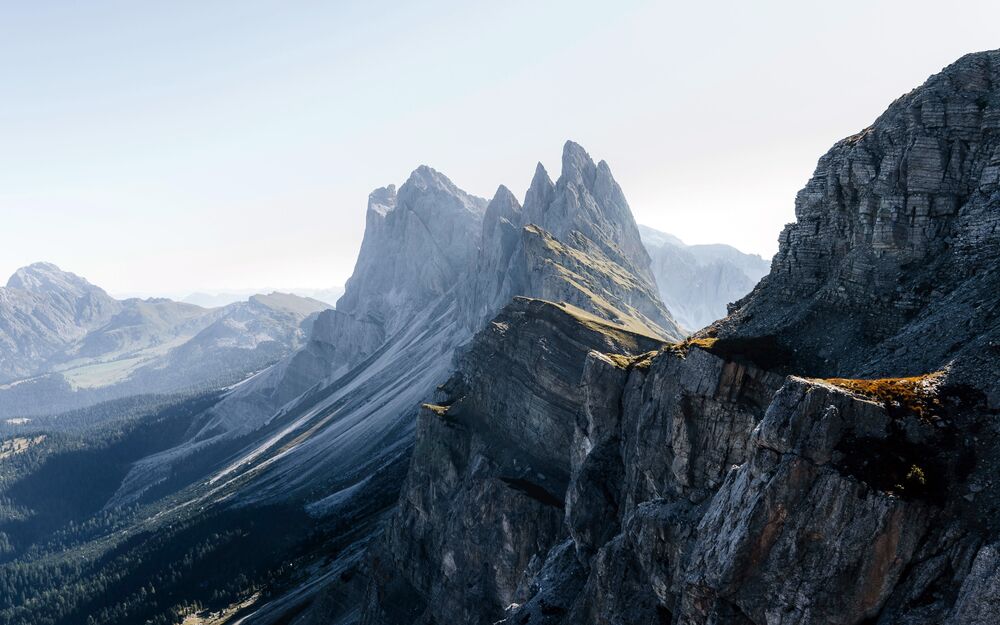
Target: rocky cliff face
[(883, 271), (487, 493), (565, 477)]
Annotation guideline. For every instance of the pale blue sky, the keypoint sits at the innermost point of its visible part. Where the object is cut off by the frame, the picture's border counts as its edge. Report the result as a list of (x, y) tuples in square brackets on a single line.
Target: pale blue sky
[(166, 147)]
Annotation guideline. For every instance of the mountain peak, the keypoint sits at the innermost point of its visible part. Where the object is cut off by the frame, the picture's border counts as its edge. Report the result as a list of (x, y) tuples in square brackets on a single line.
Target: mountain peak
[(503, 196), (43, 276), (576, 163), (504, 205), (417, 242), (541, 188), (425, 177), (429, 189), (382, 200), (587, 199)]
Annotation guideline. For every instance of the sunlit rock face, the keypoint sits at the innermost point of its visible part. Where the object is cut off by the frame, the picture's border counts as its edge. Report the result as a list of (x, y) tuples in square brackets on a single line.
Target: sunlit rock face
[(418, 242)]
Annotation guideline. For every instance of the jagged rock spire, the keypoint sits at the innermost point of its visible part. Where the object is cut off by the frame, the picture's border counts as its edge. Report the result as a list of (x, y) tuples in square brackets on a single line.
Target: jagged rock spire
[(587, 199)]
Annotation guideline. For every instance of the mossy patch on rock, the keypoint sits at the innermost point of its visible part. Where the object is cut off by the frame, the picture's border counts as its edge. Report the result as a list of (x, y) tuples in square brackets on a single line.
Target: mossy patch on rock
[(682, 348), (436, 409), (639, 361), (917, 395)]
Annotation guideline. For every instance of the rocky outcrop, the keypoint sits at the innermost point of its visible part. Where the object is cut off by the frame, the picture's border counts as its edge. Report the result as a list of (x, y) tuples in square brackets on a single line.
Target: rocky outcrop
[(484, 495), (701, 484), (883, 271), (697, 282)]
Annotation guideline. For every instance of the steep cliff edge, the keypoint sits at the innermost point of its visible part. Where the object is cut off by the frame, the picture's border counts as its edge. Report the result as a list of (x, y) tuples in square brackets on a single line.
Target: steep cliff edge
[(492, 463), (889, 267), (702, 484)]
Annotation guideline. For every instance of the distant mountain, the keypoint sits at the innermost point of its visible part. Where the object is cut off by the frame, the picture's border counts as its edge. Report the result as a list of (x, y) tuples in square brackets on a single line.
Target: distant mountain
[(42, 310), (696, 282), (65, 343), (216, 299)]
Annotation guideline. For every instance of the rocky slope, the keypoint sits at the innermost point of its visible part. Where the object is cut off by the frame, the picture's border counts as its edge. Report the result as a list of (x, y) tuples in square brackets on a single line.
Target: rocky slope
[(697, 282), (65, 343), (559, 477)]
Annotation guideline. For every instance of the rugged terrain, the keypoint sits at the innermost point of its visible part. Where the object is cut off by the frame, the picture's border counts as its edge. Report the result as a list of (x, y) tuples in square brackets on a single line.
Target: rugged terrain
[(502, 422), (825, 454), (320, 441)]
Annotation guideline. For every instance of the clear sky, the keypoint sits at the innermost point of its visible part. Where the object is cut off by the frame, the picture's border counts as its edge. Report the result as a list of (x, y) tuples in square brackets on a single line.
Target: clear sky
[(167, 147)]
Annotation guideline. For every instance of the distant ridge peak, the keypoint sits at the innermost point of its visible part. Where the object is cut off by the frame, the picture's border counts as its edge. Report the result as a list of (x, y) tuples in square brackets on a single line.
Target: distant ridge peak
[(576, 163), (541, 188), (382, 200), (40, 274)]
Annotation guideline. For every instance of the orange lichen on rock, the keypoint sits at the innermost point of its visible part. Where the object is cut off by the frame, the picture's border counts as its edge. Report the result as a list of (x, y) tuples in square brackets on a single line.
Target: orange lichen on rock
[(917, 395), (682, 348)]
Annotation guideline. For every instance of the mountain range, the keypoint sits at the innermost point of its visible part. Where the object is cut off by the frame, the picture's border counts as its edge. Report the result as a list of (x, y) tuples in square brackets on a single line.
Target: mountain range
[(215, 299), (65, 343), (502, 421)]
